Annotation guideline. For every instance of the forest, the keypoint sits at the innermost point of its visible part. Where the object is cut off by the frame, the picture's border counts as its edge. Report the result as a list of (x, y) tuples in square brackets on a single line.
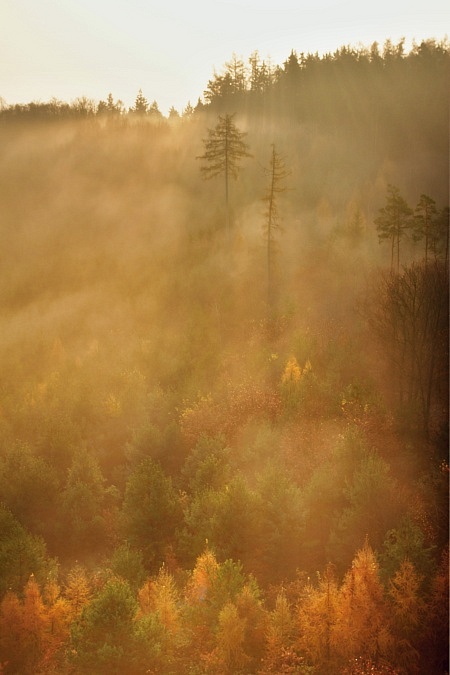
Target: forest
[(224, 355)]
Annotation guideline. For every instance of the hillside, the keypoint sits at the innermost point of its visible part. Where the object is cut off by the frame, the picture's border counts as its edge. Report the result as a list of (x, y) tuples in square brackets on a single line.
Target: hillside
[(224, 404)]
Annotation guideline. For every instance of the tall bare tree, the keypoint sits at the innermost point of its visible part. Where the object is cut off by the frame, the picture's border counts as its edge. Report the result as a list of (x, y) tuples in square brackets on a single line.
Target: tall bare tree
[(277, 174)]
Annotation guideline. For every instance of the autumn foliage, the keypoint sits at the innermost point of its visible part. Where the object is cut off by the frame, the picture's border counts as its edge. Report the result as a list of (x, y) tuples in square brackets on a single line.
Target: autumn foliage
[(224, 417)]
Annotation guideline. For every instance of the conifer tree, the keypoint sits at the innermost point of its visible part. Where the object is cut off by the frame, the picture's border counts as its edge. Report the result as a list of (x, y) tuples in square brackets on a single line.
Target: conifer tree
[(260, 74), (34, 622), (229, 655), (276, 173), (435, 631), (393, 221), (224, 148), (281, 625), (159, 604), (103, 636), (12, 647), (141, 105), (58, 613), (440, 240), (362, 627), (406, 615), (160, 595), (154, 111), (317, 619), (77, 590), (151, 511), (24, 631), (110, 107), (280, 654), (424, 222)]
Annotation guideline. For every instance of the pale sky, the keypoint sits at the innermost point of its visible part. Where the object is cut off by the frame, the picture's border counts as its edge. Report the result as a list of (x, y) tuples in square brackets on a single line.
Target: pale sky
[(169, 49)]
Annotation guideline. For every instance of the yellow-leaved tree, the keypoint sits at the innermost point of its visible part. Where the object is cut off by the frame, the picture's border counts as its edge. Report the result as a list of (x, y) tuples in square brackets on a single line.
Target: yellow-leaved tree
[(77, 590), (228, 656), (406, 614), (280, 655), (296, 382), (201, 615), (317, 617), (23, 630), (59, 615), (362, 627)]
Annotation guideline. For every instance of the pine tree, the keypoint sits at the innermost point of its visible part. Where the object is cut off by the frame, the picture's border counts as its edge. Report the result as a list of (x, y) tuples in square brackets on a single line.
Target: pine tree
[(393, 221), (424, 222), (103, 636)]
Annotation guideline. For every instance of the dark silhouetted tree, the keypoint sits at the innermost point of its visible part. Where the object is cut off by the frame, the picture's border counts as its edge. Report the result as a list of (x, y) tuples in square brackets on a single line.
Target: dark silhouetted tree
[(260, 74), (424, 222), (83, 503), (435, 629), (21, 554), (276, 173), (406, 615), (110, 107), (231, 83), (174, 114), (224, 148), (440, 240), (151, 512), (409, 314), (140, 105), (188, 110), (103, 638), (393, 221), (154, 111)]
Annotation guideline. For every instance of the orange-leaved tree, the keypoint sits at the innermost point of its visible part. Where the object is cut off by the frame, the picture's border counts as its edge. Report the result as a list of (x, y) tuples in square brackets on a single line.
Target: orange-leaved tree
[(362, 619)]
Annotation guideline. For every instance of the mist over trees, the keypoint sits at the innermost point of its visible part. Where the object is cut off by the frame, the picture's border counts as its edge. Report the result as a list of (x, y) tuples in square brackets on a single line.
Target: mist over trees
[(224, 407), (224, 149)]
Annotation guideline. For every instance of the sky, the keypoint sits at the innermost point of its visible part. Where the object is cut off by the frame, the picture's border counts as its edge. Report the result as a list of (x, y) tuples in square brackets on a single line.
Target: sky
[(171, 48)]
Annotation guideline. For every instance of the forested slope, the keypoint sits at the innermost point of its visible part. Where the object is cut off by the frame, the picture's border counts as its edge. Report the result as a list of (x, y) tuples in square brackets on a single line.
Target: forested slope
[(206, 465)]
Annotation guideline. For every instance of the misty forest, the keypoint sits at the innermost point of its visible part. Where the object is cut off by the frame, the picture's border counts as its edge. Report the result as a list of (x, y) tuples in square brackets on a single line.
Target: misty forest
[(224, 357)]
